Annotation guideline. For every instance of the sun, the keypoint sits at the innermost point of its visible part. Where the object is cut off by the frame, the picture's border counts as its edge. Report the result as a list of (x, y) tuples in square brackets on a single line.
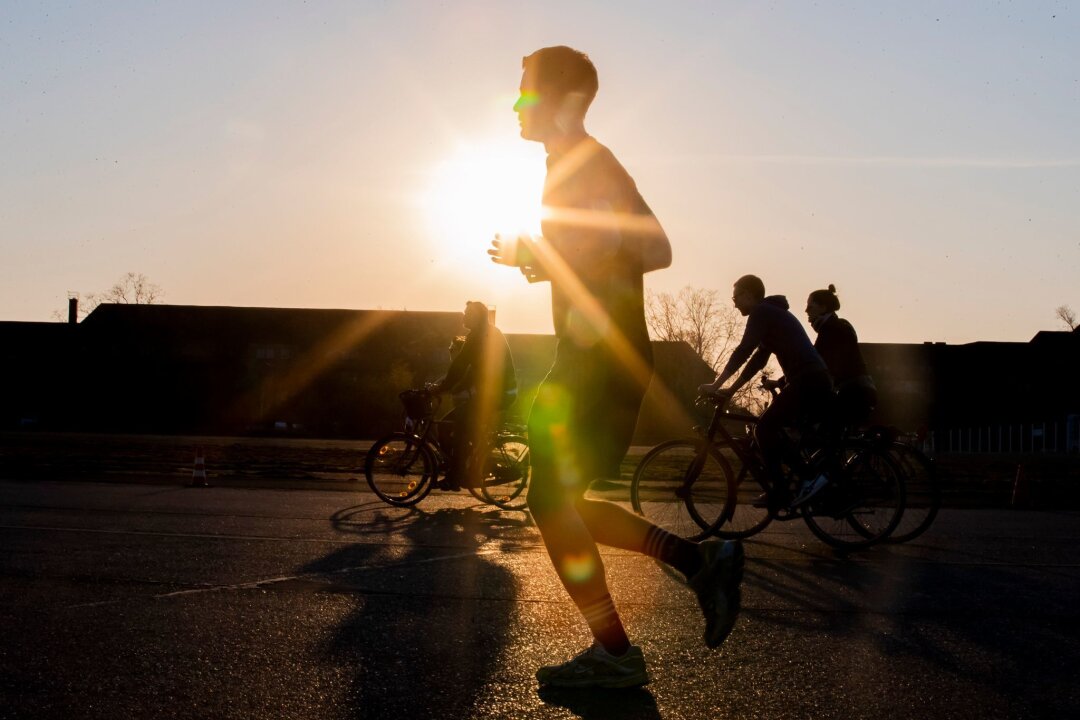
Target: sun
[(482, 189)]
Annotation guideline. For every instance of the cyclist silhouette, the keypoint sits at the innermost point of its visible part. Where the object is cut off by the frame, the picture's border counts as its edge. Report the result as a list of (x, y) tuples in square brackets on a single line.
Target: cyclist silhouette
[(599, 238), (771, 328), (482, 380), (838, 345)]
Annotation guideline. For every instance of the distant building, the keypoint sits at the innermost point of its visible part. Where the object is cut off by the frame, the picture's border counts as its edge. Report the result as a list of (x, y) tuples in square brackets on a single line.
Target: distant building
[(983, 396), (228, 370), (175, 369)]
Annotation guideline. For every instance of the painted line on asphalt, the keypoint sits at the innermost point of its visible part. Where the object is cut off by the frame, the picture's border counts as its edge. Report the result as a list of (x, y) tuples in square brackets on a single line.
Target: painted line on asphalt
[(255, 584), (158, 533), (314, 576)]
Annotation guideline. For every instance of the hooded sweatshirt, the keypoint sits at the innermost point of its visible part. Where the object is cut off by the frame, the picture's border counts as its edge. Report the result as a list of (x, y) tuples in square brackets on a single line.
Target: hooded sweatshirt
[(772, 330)]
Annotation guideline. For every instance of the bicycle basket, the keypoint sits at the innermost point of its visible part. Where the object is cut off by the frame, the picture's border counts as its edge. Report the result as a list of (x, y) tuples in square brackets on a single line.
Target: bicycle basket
[(419, 404)]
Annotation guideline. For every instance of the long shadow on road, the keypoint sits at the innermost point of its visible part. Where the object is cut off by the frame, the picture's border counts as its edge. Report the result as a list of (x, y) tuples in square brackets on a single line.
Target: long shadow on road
[(434, 613), (435, 617), (982, 635)]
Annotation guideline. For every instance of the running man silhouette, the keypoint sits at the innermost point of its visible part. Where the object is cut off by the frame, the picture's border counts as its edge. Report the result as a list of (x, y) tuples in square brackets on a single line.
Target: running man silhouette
[(599, 238)]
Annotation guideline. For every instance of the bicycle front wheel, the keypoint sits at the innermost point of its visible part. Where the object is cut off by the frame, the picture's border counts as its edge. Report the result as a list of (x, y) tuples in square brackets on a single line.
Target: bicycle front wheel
[(861, 506), (750, 510), (400, 469), (923, 492), (506, 473), (684, 487)]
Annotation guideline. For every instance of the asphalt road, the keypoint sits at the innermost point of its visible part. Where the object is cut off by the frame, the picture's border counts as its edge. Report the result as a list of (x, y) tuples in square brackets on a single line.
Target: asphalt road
[(136, 601)]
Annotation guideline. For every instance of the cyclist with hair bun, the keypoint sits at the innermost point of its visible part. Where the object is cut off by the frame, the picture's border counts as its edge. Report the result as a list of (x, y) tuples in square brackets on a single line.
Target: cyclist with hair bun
[(838, 346)]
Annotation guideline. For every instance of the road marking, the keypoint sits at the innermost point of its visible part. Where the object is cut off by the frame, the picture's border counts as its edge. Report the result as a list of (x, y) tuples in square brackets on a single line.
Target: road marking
[(315, 575), (254, 584), (158, 533)]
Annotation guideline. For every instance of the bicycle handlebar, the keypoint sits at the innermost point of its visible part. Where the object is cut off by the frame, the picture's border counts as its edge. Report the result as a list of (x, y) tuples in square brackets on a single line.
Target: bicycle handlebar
[(716, 398)]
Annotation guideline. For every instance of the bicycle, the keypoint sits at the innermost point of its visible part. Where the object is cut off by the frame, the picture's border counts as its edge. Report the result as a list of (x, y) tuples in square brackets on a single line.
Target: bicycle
[(861, 504), (402, 467), (921, 482)]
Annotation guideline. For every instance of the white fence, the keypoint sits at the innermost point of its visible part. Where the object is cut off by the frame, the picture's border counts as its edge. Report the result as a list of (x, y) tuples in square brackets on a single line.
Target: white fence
[(1039, 437)]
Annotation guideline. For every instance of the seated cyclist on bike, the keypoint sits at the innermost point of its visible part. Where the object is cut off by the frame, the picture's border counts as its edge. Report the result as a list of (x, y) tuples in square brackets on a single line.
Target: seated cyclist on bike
[(772, 329), (482, 380), (838, 346)]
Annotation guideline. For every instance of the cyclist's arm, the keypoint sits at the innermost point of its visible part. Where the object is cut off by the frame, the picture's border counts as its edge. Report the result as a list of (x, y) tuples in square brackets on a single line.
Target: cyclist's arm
[(459, 366), (757, 363), (751, 339), (779, 384)]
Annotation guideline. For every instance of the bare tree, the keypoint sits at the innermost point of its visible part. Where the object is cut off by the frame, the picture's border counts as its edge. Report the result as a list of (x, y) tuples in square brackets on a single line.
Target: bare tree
[(1065, 314), (694, 316), (711, 327), (131, 289)]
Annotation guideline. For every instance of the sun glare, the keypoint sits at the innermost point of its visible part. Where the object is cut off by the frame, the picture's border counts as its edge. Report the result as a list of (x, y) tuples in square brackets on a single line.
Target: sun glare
[(478, 191)]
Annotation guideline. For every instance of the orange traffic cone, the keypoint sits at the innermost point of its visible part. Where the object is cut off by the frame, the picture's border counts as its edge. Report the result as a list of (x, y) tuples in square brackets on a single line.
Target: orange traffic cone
[(198, 475), (1020, 494)]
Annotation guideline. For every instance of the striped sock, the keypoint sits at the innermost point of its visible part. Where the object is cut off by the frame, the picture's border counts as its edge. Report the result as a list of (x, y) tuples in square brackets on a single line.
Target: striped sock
[(675, 551), (605, 625)]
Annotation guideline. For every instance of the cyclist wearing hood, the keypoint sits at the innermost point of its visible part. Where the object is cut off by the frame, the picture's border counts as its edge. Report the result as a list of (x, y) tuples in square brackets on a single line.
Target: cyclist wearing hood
[(772, 330)]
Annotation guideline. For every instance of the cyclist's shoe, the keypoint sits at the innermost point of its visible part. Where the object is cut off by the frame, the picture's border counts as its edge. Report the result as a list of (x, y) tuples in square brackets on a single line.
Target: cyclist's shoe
[(777, 503), (596, 667), (717, 587), (809, 489), (470, 480), (450, 484)]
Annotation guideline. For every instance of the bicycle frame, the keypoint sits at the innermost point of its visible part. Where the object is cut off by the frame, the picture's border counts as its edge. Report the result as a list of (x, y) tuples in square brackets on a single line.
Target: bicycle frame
[(738, 445), (424, 436), (499, 459)]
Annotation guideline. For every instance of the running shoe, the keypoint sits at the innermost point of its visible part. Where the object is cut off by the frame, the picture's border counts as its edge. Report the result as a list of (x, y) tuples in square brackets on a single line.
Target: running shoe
[(717, 587), (596, 667)]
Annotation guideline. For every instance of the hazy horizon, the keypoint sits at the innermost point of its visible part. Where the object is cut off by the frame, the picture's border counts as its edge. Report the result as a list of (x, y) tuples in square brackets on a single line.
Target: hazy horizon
[(345, 155)]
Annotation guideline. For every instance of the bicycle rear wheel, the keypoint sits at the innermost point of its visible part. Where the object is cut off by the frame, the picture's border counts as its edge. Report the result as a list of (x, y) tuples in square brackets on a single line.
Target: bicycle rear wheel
[(863, 505), (683, 487), (750, 512), (506, 473), (400, 469), (923, 492)]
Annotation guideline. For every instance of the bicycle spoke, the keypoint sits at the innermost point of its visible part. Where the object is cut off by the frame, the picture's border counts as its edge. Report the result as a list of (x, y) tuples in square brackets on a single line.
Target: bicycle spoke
[(507, 473), (399, 469), (750, 513), (679, 490), (923, 492), (862, 503)]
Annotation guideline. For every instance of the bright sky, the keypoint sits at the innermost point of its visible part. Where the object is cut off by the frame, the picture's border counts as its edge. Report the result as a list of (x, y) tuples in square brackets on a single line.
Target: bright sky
[(922, 156)]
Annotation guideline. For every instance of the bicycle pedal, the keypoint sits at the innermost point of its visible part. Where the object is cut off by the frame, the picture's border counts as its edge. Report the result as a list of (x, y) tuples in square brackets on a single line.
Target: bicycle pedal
[(787, 513)]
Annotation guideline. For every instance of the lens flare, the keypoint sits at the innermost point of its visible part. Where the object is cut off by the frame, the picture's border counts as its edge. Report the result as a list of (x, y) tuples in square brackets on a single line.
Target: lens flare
[(578, 568), (527, 99)]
